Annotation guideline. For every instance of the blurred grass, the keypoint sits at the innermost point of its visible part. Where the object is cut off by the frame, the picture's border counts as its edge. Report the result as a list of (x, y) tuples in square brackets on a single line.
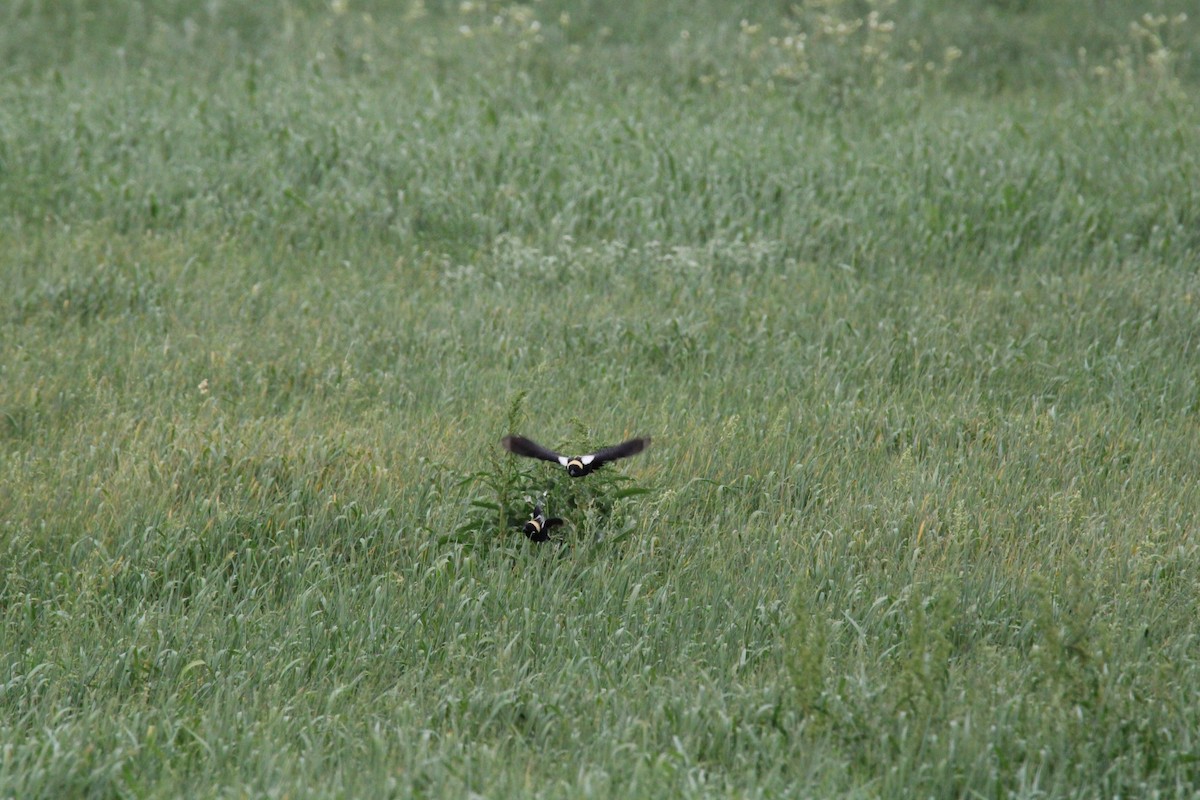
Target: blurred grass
[(913, 330)]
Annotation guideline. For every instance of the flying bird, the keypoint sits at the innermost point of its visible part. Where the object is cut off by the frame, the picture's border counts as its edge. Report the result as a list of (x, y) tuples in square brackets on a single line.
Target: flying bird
[(538, 527), (576, 466)]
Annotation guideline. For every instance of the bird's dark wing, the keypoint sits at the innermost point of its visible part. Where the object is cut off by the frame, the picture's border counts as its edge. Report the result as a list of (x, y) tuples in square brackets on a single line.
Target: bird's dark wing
[(530, 449), (537, 534), (552, 523), (622, 450)]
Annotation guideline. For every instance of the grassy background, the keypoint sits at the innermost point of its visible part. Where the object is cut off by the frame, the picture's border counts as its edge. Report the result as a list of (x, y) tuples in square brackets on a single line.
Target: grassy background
[(911, 311)]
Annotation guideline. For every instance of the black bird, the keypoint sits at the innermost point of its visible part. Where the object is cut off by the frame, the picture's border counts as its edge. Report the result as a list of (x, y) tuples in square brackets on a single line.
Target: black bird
[(538, 527), (577, 466)]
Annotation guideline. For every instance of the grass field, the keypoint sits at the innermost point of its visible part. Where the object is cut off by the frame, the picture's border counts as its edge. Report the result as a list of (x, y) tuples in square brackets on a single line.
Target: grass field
[(908, 296)]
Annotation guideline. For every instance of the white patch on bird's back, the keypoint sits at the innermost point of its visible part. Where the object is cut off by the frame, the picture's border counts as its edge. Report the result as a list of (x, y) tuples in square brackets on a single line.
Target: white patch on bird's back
[(587, 459), (563, 460)]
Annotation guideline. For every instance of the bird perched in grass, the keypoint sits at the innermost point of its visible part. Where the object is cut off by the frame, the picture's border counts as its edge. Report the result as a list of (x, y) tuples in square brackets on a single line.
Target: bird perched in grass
[(538, 527), (576, 466)]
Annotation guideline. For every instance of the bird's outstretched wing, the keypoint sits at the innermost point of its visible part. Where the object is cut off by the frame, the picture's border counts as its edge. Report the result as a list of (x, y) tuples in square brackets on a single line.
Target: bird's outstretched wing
[(622, 450), (531, 449)]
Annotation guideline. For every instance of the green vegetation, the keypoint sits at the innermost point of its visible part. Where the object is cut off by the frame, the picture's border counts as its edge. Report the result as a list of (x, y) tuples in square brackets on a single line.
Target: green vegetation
[(907, 295)]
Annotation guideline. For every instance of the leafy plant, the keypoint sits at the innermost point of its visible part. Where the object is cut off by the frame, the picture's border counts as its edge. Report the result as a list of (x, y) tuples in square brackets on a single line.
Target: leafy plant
[(502, 497)]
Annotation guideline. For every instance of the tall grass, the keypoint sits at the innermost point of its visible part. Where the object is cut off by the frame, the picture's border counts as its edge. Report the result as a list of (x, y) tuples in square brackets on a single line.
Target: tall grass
[(909, 310)]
